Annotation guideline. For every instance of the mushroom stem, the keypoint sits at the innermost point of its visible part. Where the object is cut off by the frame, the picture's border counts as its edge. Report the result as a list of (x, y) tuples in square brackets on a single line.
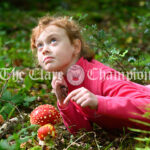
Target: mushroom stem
[(43, 144)]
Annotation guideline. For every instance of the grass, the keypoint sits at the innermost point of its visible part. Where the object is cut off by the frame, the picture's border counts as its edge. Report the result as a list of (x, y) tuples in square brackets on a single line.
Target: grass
[(24, 94)]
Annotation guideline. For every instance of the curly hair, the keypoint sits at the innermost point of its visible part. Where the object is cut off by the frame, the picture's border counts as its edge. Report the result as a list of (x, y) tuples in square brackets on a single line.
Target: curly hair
[(72, 29)]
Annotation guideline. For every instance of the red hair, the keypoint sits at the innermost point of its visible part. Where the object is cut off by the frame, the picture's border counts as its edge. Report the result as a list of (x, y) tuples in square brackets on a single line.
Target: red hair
[(71, 28)]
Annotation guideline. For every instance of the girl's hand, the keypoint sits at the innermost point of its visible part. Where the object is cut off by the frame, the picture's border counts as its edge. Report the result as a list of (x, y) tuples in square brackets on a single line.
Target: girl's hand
[(60, 87), (83, 97)]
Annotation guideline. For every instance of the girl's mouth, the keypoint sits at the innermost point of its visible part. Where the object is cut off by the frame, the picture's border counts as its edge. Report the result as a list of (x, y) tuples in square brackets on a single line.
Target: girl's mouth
[(47, 59)]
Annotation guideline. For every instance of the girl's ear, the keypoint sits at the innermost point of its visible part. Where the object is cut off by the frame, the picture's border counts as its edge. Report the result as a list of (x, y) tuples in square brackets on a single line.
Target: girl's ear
[(77, 46)]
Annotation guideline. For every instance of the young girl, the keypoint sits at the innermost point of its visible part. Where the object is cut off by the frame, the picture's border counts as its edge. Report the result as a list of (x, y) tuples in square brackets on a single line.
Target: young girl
[(87, 91)]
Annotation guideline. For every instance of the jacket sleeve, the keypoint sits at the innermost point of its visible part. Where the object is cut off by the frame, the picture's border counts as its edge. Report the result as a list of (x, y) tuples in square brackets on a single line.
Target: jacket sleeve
[(124, 99), (73, 118)]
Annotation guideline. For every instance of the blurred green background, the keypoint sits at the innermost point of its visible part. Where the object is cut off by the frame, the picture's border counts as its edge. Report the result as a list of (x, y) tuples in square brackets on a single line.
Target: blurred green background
[(112, 28), (118, 31)]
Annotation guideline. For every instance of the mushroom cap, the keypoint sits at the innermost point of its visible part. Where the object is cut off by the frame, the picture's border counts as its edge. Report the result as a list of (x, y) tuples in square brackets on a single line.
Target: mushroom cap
[(46, 131), (45, 114)]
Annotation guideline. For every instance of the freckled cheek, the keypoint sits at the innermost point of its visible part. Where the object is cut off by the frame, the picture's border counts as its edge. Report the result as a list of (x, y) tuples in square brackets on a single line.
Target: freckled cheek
[(40, 58)]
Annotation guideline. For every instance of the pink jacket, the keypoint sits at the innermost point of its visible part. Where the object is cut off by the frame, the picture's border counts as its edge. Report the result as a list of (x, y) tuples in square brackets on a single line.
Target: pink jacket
[(118, 100)]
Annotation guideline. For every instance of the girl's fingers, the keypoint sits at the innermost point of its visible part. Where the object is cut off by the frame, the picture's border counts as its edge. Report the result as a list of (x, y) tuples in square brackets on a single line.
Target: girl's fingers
[(53, 83), (58, 82), (56, 76), (62, 81), (85, 103), (78, 96), (81, 100), (73, 93)]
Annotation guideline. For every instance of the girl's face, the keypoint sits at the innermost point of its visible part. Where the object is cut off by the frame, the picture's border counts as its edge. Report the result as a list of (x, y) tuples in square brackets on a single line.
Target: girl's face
[(54, 49)]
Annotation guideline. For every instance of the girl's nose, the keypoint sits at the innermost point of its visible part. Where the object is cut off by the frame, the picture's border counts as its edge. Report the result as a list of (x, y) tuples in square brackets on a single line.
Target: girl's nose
[(46, 50)]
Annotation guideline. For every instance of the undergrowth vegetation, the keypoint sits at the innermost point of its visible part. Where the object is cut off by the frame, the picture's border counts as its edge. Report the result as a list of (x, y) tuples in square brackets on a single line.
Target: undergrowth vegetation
[(119, 34)]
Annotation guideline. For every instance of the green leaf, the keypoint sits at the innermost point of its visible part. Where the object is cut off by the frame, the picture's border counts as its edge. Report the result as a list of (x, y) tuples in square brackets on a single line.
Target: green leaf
[(18, 99), (28, 82), (82, 17), (11, 112), (141, 122), (29, 127), (139, 130), (7, 95), (29, 100), (143, 139), (124, 53), (36, 148), (8, 108), (101, 34), (4, 145)]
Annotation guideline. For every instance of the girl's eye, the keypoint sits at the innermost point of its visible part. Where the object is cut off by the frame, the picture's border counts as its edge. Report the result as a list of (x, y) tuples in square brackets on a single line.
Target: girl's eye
[(40, 45), (53, 40)]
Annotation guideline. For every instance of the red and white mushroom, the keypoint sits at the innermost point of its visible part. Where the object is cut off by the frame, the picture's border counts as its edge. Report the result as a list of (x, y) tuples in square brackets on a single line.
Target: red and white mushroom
[(45, 132), (45, 114)]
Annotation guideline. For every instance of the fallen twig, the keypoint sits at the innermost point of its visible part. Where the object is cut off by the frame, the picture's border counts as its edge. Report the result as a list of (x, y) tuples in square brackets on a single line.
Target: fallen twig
[(82, 137), (10, 124)]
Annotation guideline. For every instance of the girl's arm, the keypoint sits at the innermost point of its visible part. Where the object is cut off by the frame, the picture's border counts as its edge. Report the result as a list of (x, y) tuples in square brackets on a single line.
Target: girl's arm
[(73, 119), (124, 100)]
